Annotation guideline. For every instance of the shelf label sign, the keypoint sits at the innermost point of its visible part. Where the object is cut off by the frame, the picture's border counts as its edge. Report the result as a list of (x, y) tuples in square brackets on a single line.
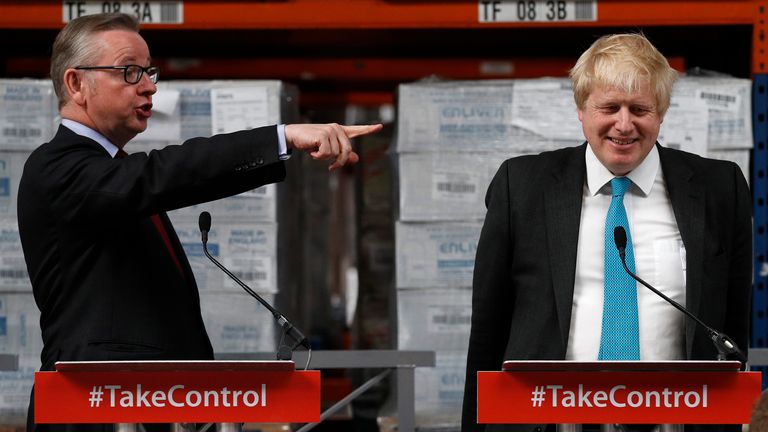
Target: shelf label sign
[(146, 12), (491, 11)]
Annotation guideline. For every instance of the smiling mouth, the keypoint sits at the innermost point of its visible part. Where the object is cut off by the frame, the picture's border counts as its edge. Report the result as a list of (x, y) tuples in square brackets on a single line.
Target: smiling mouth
[(622, 142)]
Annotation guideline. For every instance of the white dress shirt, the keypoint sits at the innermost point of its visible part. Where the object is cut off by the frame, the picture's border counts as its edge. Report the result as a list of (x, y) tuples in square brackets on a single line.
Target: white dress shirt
[(659, 260), (87, 132)]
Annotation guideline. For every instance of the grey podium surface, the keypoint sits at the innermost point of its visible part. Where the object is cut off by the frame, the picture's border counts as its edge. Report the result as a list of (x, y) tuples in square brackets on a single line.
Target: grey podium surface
[(402, 362)]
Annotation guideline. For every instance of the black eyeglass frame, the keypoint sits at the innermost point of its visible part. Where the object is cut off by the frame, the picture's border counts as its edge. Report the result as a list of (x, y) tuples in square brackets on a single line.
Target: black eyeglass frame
[(153, 72)]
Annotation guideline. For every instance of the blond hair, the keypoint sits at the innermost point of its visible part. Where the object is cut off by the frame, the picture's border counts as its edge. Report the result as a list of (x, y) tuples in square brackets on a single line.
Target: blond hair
[(76, 46), (623, 61)]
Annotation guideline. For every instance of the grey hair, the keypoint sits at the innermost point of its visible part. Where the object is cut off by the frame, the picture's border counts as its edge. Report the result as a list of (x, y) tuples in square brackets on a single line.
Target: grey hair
[(75, 45)]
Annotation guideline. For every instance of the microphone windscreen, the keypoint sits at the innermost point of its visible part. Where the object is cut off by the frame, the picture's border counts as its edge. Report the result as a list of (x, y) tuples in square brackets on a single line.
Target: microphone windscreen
[(620, 237), (204, 221)]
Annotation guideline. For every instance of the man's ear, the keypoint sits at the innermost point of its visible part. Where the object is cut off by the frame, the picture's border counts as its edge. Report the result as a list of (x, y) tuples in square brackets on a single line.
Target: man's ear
[(581, 115), (75, 86)]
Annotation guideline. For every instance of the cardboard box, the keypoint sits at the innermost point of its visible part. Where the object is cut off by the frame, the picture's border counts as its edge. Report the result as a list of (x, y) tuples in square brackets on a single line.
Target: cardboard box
[(238, 323), (436, 319), (446, 186), (249, 251), (13, 269), (28, 113), (436, 254)]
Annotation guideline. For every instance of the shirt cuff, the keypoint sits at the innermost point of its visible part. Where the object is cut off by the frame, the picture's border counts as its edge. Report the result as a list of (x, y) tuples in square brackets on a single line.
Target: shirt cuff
[(282, 146)]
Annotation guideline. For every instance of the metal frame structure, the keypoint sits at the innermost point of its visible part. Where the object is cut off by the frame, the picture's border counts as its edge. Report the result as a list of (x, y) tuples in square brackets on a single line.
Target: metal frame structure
[(403, 363)]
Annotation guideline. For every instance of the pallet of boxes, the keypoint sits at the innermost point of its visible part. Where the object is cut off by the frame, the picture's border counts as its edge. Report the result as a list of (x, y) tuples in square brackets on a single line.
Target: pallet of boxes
[(28, 117), (451, 139)]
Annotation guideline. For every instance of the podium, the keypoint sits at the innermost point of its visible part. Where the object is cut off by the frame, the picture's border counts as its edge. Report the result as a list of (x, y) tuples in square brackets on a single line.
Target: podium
[(177, 392), (617, 392)]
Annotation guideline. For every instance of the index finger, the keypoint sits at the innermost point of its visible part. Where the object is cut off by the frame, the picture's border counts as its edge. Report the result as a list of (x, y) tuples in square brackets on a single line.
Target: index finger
[(358, 130)]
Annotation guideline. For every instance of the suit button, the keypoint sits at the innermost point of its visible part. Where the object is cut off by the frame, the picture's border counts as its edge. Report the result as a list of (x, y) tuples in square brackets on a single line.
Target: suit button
[(260, 161), (538, 429)]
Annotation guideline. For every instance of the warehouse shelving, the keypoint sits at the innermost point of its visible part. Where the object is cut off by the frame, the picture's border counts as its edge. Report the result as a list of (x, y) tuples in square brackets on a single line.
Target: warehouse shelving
[(298, 22), (372, 14)]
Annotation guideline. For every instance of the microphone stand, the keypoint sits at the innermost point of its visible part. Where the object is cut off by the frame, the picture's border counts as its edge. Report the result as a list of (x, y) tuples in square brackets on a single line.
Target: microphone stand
[(284, 351), (724, 344)]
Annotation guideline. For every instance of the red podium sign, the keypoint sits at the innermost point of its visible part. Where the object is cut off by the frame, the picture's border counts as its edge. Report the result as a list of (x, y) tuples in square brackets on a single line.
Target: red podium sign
[(617, 392), (177, 392)]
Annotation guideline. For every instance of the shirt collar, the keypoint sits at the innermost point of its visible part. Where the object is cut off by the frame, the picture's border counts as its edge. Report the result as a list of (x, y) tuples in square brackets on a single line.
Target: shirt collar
[(87, 132), (643, 176)]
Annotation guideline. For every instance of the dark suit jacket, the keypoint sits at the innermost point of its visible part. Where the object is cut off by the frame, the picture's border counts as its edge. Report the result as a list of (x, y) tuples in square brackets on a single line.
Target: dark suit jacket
[(103, 278), (526, 258)]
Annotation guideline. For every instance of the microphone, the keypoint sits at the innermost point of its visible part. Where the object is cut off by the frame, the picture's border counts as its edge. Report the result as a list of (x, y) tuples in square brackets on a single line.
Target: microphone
[(204, 222), (284, 352), (722, 342)]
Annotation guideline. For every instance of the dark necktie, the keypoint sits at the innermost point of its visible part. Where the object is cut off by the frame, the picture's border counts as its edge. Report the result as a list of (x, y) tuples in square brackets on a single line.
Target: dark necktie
[(158, 222)]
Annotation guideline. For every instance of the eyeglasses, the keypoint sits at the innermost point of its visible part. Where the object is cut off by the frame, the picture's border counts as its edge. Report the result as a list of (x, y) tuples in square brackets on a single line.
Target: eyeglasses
[(131, 73)]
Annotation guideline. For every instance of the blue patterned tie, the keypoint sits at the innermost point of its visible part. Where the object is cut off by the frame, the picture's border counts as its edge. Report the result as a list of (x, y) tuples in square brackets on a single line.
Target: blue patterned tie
[(620, 339)]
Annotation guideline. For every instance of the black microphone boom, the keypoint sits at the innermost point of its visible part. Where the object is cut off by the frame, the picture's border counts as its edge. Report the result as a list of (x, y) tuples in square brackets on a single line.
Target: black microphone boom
[(284, 352), (723, 343)]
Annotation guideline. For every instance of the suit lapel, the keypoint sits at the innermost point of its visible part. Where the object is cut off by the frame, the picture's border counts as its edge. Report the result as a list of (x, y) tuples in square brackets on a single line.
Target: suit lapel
[(562, 208), (687, 198)]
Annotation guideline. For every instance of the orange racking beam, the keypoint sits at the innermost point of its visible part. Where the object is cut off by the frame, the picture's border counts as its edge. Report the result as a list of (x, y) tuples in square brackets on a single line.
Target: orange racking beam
[(384, 14)]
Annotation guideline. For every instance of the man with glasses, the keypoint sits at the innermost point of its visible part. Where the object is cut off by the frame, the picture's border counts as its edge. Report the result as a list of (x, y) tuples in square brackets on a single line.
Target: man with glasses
[(108, 272)]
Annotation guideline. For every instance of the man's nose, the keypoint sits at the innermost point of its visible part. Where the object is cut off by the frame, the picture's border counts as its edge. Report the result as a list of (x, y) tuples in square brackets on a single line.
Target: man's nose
[(146, 86), (624, 122)]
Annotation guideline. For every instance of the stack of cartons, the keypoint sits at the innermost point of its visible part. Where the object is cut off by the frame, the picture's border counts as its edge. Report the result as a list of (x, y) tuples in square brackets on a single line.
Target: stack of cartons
[(27, 119), (451, 139), (711, 116)]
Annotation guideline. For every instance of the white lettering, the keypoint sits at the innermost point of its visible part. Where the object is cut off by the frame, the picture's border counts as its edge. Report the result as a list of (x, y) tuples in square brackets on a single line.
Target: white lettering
[(569, 399), (225, 396), (211, 394), (650, 395), (667, 393), (264, 395), (600, 398), (141, 397), (696, 399), (112, 388), (178, 396), (635, 399), (612, 396), (678, 394), (127, 399), (554, 389), (194, 394), (618, 397), (158, 398), (584, 397), (254, 398), (170, 396)]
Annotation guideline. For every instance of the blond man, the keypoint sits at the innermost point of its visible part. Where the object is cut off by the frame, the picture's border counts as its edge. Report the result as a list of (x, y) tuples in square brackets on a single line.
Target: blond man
[(544, 285)]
